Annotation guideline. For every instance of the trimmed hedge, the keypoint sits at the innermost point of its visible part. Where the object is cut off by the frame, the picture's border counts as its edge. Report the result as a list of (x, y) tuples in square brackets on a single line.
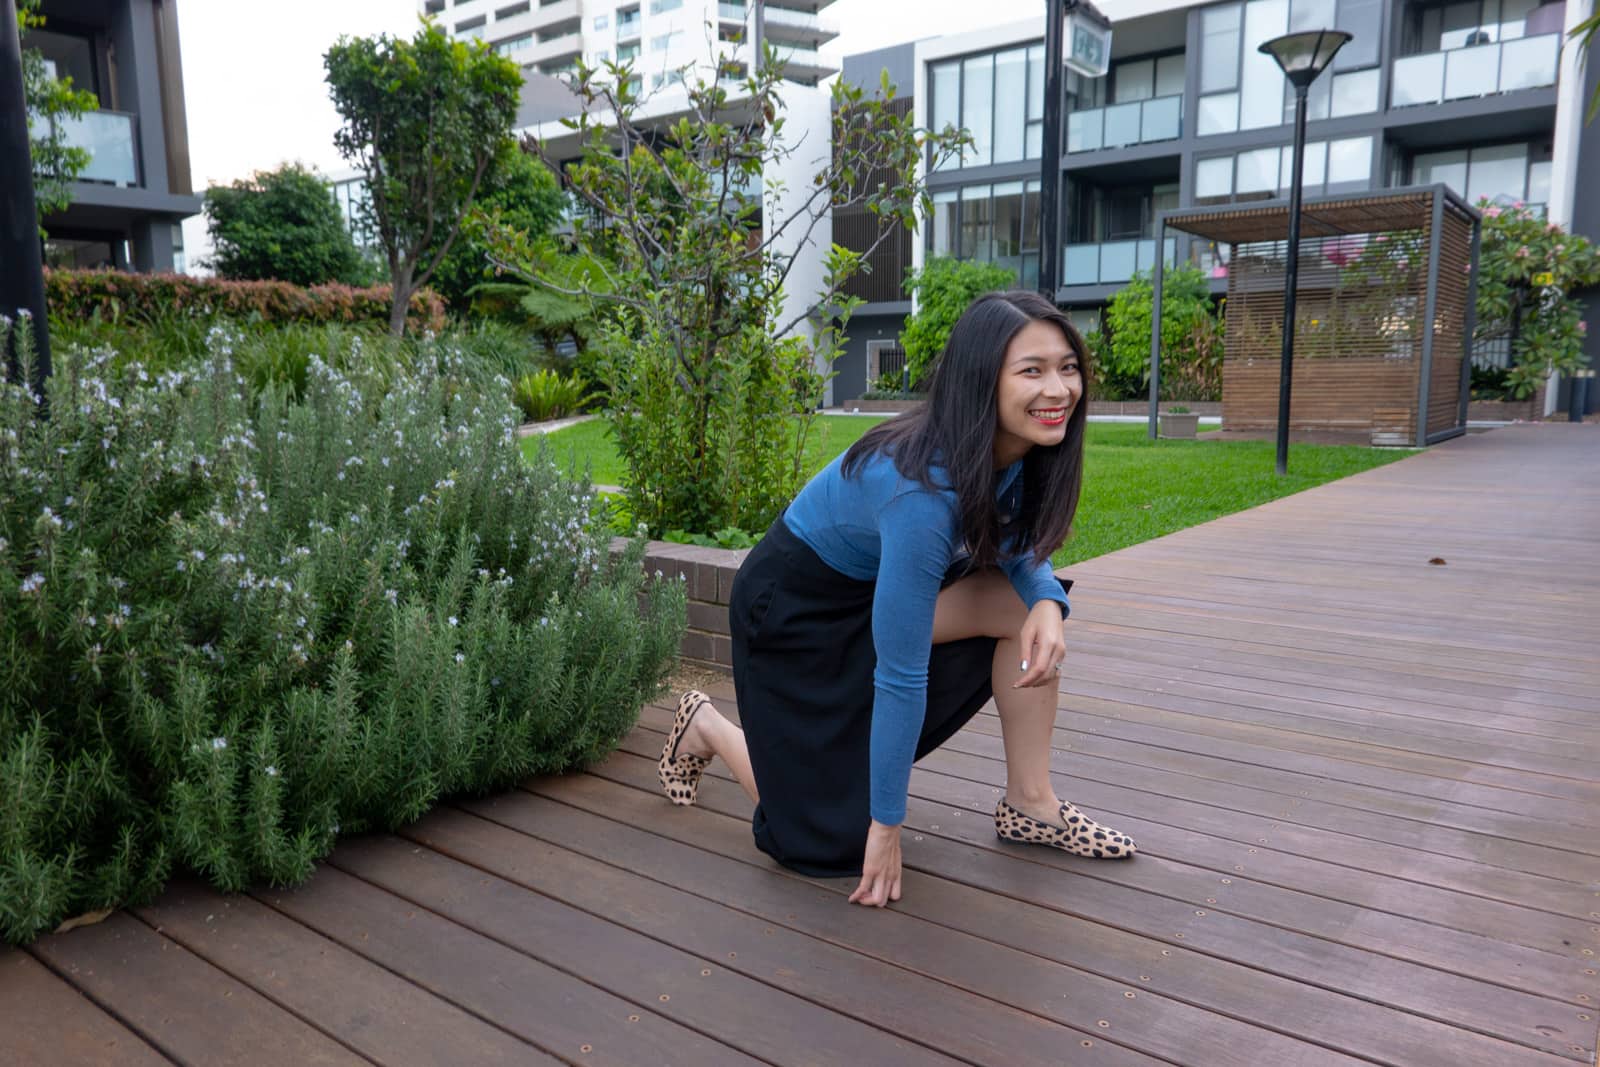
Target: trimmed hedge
[(80, 295)]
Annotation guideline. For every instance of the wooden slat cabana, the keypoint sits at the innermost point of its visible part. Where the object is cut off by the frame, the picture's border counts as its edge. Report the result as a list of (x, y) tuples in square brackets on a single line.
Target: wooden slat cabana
[(1384, 351)]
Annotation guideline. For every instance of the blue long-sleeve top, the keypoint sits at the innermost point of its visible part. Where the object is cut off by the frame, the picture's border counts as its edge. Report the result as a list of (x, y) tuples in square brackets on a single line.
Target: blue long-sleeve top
[(878, 525)]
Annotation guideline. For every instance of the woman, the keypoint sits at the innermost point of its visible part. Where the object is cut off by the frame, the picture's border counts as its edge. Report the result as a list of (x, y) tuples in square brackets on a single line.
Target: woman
[(908, 583)]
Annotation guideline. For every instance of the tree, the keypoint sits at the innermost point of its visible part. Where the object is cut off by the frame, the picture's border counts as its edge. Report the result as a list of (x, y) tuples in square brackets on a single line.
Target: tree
[(1527, 270), (425, 120), (523, 194), (283, 225), (709, 393), (1191, 336), (51, 101), (942, 289)]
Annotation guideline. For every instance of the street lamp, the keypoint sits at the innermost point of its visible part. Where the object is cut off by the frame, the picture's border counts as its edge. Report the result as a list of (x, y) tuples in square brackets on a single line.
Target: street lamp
[(1302, 56)]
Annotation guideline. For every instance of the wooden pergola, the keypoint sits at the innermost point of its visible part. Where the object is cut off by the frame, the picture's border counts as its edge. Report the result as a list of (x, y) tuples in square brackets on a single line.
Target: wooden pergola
[(1383, 343)]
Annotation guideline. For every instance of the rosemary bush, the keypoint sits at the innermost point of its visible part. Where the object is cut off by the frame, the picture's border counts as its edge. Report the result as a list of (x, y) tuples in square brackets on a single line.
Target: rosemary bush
[(235, 624)]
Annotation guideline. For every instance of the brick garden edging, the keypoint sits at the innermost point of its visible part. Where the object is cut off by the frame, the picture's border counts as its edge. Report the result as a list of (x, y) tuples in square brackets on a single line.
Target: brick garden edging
[(708, 573)]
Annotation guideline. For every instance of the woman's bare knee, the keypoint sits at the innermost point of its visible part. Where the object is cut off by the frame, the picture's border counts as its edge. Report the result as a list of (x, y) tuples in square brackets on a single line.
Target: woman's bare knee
[(980, 605)]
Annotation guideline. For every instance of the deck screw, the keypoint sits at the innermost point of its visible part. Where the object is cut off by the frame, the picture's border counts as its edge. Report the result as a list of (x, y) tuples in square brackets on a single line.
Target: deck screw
[(1227, 881), (1251, 851), (1144, 978), (1583, 1016), (705, 973), (585, 1048), (1211, 900), (633, 1018), (1130, 994), (1087, 1043), (664, 998), (1102, 1024)]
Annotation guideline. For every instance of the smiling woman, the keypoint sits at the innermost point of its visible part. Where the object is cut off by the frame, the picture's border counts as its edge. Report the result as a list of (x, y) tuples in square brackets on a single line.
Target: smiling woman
[(908, 583)]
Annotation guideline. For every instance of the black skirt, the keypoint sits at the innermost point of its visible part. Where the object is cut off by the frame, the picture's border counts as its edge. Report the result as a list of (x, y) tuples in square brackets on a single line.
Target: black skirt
[(803, 660)]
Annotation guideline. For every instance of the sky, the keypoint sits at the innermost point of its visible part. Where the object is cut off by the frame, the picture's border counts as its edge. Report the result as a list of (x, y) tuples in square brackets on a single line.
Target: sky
[(253, 75)]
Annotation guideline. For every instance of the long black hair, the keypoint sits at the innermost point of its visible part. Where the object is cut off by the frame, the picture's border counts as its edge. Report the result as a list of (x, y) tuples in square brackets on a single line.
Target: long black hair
[(955, 431)]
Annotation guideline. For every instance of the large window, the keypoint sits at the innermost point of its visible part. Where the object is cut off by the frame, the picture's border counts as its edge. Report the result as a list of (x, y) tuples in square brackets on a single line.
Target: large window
[(1241, 89), (1442, 27), (1338, 166), (985, 94), (1505, 172), (994, 223)]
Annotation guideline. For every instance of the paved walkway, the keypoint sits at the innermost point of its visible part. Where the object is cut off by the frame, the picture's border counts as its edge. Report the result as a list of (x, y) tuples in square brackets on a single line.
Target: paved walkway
[(1355, 731)]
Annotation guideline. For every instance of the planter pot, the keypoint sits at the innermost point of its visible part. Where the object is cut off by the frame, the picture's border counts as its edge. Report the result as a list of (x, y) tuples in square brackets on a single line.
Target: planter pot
[(1179, 425)]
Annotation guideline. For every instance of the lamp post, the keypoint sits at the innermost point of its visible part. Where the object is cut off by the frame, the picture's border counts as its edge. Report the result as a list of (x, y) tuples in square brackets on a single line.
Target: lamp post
[(22, 280), (1303, 56)]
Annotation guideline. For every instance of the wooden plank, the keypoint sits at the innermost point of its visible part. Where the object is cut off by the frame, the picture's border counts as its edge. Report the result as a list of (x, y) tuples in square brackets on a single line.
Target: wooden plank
[(46, 1021), (750, 1013), (182, 1005), (1353, 1025), (877, 993), (365, 1007), (556, 1012), (1414, 834), (1153, 1023)]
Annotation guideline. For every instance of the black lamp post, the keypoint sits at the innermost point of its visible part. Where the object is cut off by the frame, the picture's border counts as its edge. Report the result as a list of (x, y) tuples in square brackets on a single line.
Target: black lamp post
[(1302, 56), (21, 276)]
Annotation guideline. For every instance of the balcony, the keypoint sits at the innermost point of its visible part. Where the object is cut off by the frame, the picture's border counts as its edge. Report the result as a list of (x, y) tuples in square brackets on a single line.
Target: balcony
[(1477, 70), (1137, 122), (802, 63), (1110, 261), (783, 25), (108, 137), (629, 26)]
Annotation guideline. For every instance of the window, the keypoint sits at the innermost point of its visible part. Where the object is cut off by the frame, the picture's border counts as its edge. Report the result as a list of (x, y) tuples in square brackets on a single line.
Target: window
[(471, 25), (513, 11), (984, 94), (658, 7), (602, 22), (1344, 165), (625, 52), (993, 223), (602, 55), (1489, 172), (665, 41), (513, 45), (1244, 90)]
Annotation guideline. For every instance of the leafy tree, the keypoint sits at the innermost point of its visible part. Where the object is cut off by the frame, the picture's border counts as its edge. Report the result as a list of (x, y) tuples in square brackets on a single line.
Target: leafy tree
[(283, 225), (709, 394), (425, 120), (522, 193), (50, 101), (1527, 270), (943, 288), (1191, 336), (1586, 32)]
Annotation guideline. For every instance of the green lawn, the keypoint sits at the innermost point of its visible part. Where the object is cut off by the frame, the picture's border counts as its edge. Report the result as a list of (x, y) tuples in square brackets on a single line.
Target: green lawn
[(1134, 489)]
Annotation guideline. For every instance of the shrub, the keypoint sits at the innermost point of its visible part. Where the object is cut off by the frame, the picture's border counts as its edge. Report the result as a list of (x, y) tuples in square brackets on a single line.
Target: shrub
[(283, 225), (113, 296), (1191, 336), (943, 288), (236, 626), (547, 395)]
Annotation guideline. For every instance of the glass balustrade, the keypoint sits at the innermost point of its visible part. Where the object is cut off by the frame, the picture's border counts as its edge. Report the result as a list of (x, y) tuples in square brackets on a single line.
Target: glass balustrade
[(108, 138), (1137, 122), (731, 11), (1477, 70), (1111, 261)]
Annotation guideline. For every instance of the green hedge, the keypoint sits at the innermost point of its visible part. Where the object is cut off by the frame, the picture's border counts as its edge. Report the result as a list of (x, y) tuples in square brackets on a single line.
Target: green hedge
[(234, 625), (80, 295)]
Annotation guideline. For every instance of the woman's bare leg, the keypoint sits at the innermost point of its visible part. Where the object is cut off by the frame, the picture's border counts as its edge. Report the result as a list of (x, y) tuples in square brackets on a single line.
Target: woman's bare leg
[(710, 733), (986, 605)]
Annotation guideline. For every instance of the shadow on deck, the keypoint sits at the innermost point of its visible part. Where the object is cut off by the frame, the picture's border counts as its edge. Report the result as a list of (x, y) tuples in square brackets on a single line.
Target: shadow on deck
[(1366, 787)]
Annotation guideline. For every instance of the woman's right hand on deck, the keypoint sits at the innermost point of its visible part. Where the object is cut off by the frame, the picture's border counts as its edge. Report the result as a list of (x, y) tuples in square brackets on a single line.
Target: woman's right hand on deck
[(880, 869)]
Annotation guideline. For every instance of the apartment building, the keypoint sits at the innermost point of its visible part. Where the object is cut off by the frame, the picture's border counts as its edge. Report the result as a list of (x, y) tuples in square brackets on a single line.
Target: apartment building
[(1478, 94), (128, 203), (660, 37)]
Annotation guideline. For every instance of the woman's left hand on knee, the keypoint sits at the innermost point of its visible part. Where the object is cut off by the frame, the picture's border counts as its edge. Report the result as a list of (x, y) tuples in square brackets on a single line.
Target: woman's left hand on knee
[(1043, 644)]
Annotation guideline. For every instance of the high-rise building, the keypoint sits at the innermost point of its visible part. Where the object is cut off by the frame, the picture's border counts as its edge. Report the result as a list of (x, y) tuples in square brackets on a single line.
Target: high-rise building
[(660, 37), (1486, 96), (128, 203)]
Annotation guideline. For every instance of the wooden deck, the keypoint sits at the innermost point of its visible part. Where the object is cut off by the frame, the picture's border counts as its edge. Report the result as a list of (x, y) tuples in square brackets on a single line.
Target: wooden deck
[(1355, 733)]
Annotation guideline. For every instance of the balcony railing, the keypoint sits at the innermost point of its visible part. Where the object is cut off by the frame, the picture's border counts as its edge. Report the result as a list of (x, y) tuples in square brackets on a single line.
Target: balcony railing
[(1111, 261), (1477, 70), (1136, 122), (736, 12), (108, 136), (629, 27)]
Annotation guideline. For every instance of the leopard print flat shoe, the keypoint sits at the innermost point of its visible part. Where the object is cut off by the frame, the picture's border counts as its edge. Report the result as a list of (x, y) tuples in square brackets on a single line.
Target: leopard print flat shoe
[(1081, 835), (680, 771)]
